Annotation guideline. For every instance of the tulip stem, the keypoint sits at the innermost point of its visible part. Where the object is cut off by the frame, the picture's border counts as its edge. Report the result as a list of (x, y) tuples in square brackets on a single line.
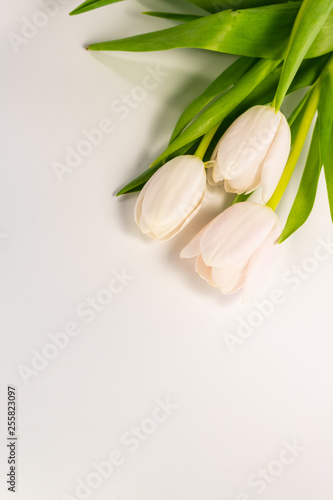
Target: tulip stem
[(311, 108), (206, 140)]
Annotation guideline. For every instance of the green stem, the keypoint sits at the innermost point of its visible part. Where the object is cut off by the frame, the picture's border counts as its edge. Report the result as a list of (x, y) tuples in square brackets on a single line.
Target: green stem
[(206, 140), (311, 108)]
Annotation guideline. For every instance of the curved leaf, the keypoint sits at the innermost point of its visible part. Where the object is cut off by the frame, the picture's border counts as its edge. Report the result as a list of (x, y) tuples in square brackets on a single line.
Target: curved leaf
[(325, 124), (139, 181), (183, 18), (218, 5), (309, 21), (223, 82), (90, 5), (325, 110), (259, 32), (305, 198), (228, 31), (221, 108), (328, 169)]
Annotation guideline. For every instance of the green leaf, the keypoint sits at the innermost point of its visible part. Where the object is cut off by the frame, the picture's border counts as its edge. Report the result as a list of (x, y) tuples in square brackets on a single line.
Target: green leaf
[(249, 4), (308, 73), (231, 32), (309, 21), (328, 169), (227, 31), (325, 125), (140, 180), (218, 5), (221, 107), (90, 5), (305, 198), (241, 197), (223, 82), (183, 18), (296, 118), (325, 110)]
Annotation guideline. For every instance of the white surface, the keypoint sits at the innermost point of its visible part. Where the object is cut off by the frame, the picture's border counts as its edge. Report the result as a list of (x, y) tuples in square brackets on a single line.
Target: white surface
[(164, 335)]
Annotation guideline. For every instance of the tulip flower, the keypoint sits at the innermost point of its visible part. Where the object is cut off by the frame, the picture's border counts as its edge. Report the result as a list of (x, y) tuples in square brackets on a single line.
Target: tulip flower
[(237, 249), (252, 152), (171, 197)]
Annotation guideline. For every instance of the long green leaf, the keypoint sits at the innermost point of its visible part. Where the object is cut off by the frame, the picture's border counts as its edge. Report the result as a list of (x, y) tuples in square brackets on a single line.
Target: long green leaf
[(183, 18), (259, 32), (90, 5), (308, 73), (223, 82), (329, 173), (309, 21), (218, 5), (211, 6), (305, 198), (228, 31), (296, 117), (325, 110), (220, 108), (325, 125), (139, 181)]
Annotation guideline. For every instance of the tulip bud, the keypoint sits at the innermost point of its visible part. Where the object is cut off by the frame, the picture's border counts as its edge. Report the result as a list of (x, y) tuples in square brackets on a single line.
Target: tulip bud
[(237, 249), (252, 152), (171, 197)]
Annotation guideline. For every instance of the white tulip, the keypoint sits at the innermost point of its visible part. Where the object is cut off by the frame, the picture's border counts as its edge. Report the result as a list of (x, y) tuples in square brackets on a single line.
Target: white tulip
[(237, 249), (252, 152), (171, 197)]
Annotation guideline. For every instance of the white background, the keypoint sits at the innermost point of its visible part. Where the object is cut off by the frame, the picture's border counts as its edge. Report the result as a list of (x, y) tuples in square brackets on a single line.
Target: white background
[(164, 336)]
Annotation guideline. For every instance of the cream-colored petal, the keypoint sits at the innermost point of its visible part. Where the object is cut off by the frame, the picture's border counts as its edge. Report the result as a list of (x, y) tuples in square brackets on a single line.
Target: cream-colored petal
[(138, 205), (246, 142), (229, 279), (245, 183), (262, 263), (145, 228), (192, 249), (275, 160), (210, 179), (171, 234), (204, 271), (216, 150), (233, 236), (172, 195)]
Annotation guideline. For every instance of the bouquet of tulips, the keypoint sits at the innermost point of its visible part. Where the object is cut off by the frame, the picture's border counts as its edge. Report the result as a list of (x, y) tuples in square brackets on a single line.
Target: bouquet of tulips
[(235, 135)]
